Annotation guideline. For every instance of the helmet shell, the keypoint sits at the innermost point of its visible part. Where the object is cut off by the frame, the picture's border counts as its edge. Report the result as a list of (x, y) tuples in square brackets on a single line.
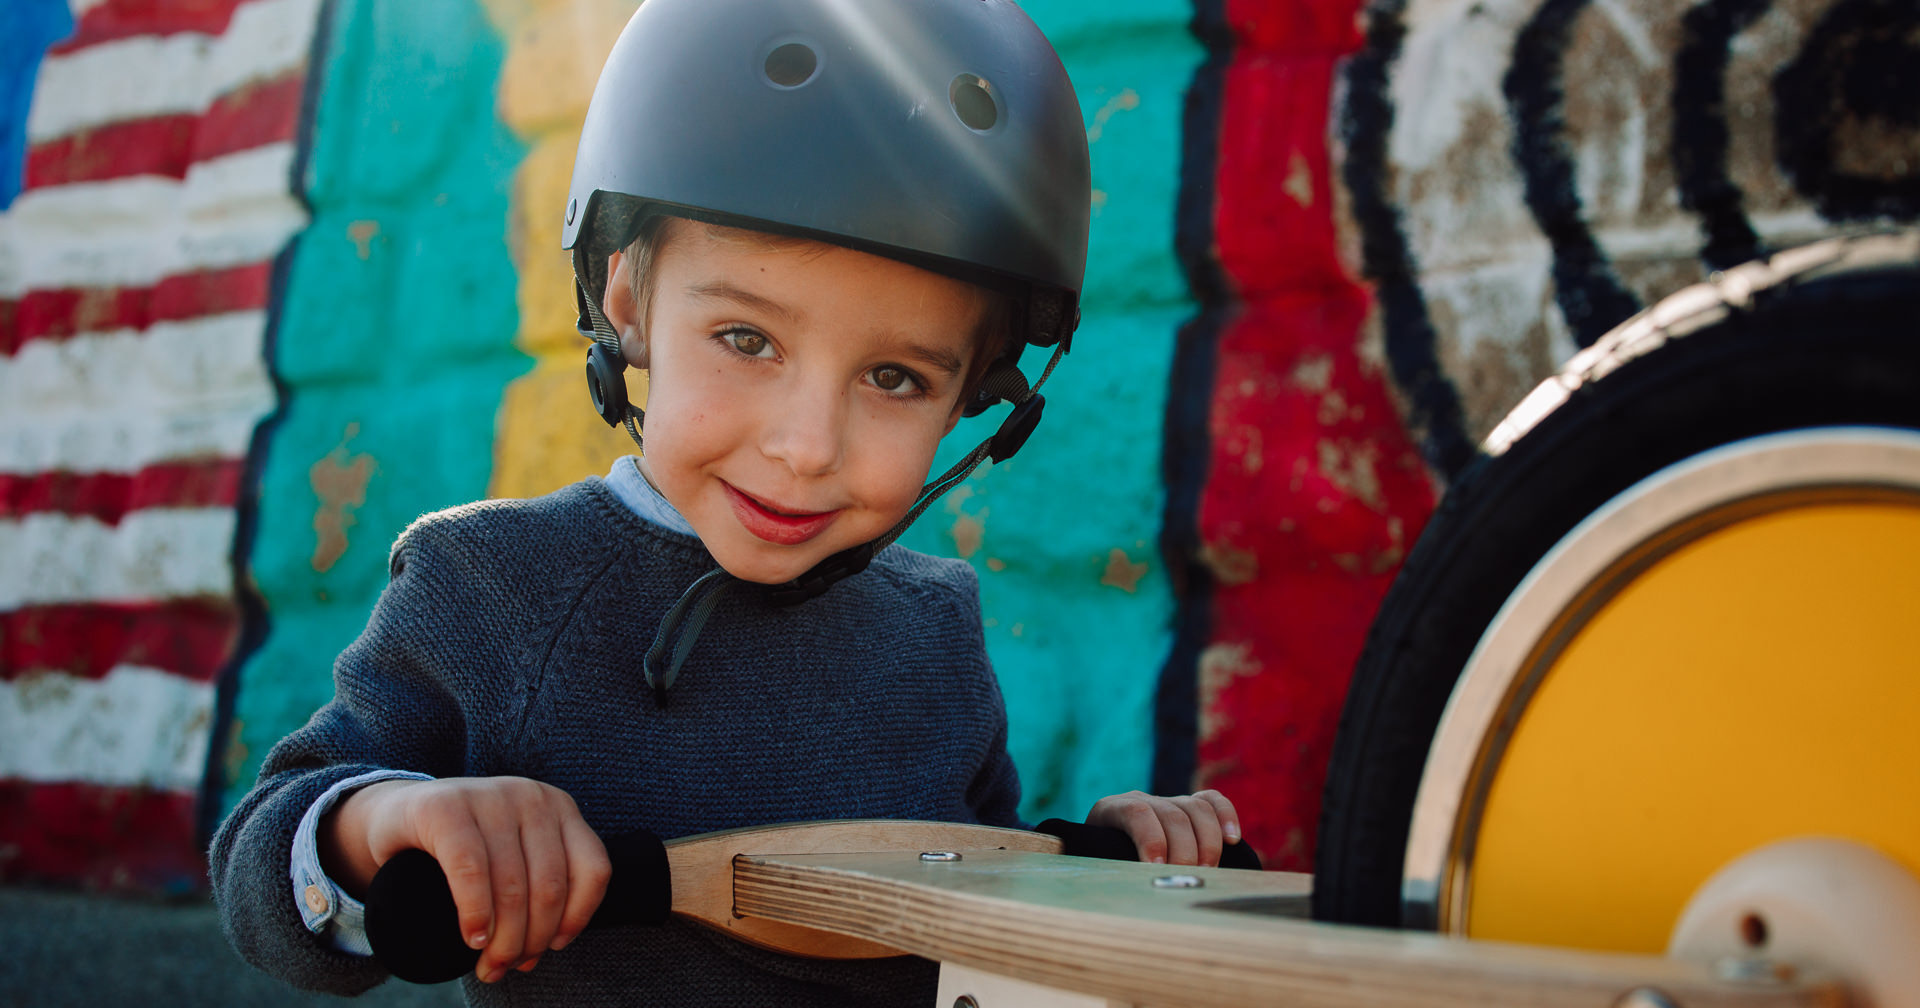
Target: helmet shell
[(941, 132)]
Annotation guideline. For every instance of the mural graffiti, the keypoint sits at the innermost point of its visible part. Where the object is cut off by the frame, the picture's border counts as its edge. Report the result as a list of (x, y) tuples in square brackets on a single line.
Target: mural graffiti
[(277, 276), (1513, 179), (139, 268)]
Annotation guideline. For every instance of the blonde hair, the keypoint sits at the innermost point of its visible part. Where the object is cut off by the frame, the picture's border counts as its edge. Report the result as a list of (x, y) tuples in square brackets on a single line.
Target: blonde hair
[(991, 338)]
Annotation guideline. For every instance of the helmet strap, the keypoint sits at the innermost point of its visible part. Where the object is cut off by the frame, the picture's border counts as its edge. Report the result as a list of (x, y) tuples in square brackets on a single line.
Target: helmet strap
[(606, 367)]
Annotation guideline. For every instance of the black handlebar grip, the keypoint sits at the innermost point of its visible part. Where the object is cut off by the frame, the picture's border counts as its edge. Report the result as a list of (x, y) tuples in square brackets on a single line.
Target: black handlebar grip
[(415, 930), (1082, 840)]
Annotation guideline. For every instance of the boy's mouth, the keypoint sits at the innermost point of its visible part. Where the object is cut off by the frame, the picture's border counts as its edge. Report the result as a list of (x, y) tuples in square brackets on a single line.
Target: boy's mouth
[(775, 524)]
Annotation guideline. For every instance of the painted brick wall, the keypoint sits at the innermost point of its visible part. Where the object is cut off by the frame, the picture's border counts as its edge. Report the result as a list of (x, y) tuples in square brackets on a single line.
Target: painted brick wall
[(1332, 243)]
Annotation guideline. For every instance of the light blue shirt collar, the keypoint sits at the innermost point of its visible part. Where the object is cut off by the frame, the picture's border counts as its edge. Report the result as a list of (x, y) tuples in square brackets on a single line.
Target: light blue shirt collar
[(641, 498)]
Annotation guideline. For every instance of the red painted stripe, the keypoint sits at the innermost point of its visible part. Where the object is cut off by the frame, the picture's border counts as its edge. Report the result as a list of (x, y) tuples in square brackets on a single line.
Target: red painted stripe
[(1316, 493), (193, 638), (155, 146), (1315, 489), (58, 313), (109, 496), (118, 19), (100, 838), (252, 115)]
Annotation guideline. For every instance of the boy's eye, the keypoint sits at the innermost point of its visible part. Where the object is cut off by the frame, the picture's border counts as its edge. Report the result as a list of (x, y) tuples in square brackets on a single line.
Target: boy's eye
[(746, 341), (899, 381)]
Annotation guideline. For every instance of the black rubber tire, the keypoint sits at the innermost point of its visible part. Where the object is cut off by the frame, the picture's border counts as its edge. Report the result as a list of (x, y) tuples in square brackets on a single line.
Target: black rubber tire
[(1823, 335)]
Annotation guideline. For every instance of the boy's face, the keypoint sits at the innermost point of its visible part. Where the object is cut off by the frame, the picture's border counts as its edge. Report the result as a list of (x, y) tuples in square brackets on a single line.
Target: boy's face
[(797, 390)]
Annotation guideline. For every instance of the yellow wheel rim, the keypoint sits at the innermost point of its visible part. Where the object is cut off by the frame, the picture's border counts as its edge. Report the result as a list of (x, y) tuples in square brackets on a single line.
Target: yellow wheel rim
[(1741, 669)]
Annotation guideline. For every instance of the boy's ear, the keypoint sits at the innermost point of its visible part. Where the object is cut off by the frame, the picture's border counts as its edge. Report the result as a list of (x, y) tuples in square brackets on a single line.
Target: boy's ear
[(622, 313), (959, 409)]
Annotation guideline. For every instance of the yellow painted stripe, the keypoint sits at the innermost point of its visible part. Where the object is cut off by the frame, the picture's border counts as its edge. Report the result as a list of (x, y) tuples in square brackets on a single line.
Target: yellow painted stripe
[(548, 434)]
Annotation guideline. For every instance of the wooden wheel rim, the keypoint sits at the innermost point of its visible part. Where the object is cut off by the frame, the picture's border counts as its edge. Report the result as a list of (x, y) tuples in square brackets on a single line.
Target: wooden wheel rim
[(1798, 472)]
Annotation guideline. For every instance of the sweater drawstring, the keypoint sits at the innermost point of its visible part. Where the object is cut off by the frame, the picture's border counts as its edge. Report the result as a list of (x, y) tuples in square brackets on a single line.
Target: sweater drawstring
[(682, 627)]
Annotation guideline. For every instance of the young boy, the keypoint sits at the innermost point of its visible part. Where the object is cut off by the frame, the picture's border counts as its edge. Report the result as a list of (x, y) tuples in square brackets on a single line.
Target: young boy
[(823, 227)]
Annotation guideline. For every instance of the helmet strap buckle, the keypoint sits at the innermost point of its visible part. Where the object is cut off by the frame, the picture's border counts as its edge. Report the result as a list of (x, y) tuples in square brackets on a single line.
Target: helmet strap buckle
[(1016, 428), (606, 384)]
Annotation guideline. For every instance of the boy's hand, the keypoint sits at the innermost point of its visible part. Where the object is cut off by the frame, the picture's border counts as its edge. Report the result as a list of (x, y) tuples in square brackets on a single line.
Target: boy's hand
[(526, 871), (1183, 830)]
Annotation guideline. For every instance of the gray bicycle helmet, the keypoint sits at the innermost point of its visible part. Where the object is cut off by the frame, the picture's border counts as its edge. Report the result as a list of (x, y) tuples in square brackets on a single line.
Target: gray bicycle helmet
[(943, 133)]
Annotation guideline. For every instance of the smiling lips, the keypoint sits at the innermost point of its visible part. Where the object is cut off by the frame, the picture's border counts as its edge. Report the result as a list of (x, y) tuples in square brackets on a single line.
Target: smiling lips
[(782, 528)]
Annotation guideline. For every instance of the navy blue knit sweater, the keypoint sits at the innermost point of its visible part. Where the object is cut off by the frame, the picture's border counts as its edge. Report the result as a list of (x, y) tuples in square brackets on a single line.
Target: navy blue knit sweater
[(509, 641)]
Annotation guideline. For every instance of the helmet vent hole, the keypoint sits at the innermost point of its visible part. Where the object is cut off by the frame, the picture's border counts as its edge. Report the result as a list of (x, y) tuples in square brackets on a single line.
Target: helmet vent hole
[(791, 65), (974, 103)]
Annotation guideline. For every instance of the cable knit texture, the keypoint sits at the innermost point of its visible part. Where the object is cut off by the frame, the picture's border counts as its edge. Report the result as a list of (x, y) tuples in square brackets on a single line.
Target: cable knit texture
[(509, 641)]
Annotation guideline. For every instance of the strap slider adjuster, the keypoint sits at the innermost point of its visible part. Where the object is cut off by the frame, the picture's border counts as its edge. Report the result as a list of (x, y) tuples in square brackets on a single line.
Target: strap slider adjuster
[(1016, 428)]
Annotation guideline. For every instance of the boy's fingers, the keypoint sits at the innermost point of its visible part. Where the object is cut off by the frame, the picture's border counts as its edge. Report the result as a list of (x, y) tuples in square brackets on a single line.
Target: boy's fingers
[(1135, 815), (545, 851), (509, 876), (463, 858), (588, 871), (1203, 822), (1228, 815), (1180, 831)]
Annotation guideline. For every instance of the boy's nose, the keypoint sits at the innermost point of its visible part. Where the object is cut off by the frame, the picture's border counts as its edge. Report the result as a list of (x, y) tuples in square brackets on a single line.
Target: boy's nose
[(807, 432)]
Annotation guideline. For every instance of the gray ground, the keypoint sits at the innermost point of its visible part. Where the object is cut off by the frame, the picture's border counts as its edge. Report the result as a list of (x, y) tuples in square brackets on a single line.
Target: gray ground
[(67, 950)]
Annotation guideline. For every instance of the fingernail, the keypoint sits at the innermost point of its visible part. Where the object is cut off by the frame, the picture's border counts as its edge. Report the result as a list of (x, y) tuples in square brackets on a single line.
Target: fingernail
[(477, 940), (490, 974), (1156, 859), (1231, 831), (559, 943)]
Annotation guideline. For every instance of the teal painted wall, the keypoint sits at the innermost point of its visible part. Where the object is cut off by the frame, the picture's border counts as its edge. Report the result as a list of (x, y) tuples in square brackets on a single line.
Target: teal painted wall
[(394, 340)]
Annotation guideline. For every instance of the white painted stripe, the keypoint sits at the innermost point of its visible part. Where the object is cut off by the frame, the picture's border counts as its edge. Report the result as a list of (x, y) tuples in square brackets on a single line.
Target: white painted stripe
[(265, 39), (136, 727), (134, 78), (153, 553), (119, 400), (129, 78), (81, 7), (132, 232)]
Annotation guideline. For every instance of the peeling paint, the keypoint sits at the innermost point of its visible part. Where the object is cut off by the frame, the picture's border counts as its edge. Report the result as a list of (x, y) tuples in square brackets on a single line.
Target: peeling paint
[(362, 233), (1230, 565), (1299, 183), (1314, 373), (1220, 665), (968, 533), (1351, 468), (1122, 572), (1125, 101), (1252, 454), (969, 530), (340, 481), (1334, 408)]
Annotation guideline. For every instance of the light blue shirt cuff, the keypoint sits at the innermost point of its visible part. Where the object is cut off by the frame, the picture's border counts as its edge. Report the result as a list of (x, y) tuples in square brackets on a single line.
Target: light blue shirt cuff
[(326, 908)]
